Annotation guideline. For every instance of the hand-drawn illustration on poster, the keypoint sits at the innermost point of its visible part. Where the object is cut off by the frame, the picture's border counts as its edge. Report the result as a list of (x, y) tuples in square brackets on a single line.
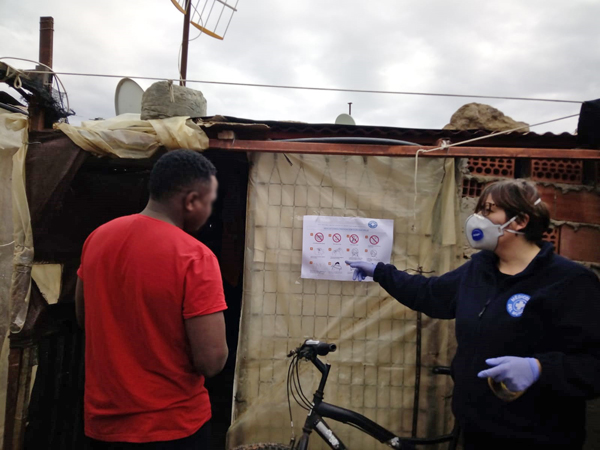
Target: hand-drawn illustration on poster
[(328, 242)]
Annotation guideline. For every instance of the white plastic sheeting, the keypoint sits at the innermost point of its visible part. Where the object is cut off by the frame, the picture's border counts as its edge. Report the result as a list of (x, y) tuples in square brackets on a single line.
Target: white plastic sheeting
[(127, 136), (15, 228), (13, 238), (16, 242)]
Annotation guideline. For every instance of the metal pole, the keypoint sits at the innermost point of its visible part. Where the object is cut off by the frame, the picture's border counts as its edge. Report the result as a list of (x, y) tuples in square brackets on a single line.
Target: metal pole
[(185, 42), (415, 419)]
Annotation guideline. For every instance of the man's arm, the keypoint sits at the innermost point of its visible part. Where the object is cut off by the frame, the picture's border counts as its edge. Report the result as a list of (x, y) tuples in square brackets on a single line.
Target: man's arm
[(79, 305), (206, 334)]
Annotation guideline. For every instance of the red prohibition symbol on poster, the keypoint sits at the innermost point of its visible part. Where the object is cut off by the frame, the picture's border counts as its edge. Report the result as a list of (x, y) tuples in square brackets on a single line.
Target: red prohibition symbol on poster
[(374, 240), (319, 237), (353, 239), (337, 237)]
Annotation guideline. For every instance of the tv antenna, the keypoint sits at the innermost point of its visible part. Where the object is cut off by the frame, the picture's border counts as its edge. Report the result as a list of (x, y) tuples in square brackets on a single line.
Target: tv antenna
[(205, 15)]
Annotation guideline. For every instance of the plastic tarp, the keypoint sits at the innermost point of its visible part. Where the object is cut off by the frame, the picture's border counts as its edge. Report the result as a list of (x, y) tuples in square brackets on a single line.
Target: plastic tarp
[(373, 371), (48, 278), (124, 136), (13, 236), (15, 230), (16, 242), (127, 136)]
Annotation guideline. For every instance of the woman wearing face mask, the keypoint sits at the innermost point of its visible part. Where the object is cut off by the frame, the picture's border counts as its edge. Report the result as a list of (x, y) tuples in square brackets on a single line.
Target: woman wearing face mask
[(528, 354)]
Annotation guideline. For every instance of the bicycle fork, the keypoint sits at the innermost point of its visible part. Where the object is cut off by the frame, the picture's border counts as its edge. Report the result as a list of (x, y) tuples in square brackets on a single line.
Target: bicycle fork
[(315, 422)]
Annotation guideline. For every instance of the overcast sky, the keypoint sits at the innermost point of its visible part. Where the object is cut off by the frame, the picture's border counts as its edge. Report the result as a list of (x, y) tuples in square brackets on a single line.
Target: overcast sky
[(524, 48)]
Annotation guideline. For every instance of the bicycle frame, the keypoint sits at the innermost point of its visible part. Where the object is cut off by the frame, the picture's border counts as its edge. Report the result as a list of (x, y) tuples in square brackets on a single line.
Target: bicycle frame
[(321, 409)]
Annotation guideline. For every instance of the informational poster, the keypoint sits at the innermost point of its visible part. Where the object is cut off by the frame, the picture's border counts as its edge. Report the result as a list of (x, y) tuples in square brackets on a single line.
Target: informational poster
[(328, 242)]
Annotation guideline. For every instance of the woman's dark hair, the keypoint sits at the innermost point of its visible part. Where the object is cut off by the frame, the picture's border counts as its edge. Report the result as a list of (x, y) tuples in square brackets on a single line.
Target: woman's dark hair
[(178, 170), (517, 198)]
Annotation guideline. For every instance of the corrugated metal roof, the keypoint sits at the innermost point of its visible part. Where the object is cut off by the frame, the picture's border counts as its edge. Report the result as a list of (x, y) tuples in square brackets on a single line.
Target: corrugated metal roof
[(295, 130)]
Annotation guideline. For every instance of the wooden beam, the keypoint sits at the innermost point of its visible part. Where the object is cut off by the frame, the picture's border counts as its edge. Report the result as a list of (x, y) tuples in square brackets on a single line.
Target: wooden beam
[(400, 150)]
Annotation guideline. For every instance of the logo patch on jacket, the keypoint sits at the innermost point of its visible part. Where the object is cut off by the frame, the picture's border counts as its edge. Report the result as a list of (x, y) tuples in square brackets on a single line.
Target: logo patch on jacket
[(516, 304)]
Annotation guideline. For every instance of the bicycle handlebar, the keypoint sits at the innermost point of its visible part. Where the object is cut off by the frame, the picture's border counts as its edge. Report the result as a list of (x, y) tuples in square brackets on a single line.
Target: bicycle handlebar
[(322, 348), (318, 347)]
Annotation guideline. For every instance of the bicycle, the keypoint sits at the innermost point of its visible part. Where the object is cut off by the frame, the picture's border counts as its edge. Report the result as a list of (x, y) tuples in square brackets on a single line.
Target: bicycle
[(310, 350)]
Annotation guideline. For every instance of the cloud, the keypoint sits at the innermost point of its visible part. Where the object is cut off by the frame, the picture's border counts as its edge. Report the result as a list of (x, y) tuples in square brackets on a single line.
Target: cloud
[(539, 48)]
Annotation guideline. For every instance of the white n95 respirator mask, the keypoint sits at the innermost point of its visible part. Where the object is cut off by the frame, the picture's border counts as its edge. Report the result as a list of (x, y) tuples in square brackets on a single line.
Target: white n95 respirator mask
[(483, 234)]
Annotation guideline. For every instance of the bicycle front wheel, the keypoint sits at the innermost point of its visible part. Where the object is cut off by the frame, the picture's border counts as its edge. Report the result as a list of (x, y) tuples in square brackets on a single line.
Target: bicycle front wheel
[(263, 446)]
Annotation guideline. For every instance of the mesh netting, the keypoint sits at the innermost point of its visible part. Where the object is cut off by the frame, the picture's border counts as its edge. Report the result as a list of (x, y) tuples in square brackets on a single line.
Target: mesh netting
[(49, 98)]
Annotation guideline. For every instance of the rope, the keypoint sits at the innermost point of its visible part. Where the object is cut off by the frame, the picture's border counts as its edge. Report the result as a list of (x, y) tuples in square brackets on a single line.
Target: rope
[(171, 93), (446, 146), (6, 245), (17, 84), (312, 88)]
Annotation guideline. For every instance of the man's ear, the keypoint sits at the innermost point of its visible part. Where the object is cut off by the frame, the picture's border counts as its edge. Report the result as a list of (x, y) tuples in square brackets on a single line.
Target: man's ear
[(521, 222), (189, 199)]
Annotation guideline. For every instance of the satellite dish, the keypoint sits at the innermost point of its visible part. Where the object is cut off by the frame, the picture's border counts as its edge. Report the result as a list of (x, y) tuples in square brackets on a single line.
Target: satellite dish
[(345, 119), (128, 97)]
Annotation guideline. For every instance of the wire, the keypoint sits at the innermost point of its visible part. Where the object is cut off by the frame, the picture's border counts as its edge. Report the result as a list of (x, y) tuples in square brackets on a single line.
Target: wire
[(297, 399), (288, 394), (292, 383), (312, 88), (290, 380), (288, 387), (300, 391), (301, 399)]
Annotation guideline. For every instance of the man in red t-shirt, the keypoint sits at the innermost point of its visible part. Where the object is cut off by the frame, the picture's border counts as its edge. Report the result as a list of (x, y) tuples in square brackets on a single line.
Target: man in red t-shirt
[(150, 298)]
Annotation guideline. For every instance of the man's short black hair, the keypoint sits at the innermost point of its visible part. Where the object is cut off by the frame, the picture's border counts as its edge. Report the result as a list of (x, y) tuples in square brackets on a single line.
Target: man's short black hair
[(177, 170)]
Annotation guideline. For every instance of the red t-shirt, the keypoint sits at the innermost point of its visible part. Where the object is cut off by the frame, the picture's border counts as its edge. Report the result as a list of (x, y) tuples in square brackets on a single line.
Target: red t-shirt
[(142, 277)]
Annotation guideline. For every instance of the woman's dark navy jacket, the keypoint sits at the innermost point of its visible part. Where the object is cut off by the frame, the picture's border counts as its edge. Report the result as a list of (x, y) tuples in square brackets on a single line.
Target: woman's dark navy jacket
[(559, 325)]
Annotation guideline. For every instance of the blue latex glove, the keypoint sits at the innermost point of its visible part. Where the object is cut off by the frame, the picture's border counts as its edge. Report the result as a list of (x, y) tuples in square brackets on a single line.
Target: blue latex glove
[(516, 373), (362, 269)]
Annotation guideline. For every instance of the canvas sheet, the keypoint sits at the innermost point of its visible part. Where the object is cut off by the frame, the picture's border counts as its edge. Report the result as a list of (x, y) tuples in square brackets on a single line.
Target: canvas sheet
[(373, 371)]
